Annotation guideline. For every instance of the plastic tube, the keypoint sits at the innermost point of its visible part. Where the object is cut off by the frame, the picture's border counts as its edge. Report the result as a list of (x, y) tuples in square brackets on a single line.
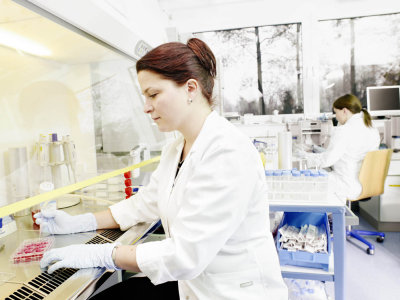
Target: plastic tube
[(55, 160)]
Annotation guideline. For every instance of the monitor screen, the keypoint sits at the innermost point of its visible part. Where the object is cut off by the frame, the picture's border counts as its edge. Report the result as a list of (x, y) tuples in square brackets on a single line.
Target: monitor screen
[(383, 100)]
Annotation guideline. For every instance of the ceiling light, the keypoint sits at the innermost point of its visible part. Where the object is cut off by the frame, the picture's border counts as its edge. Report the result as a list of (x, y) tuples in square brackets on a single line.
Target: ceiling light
[(13, 40)]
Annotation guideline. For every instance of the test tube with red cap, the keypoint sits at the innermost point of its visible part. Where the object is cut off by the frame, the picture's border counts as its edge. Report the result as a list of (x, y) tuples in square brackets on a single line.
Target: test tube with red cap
[(128, 184), (129, 188)]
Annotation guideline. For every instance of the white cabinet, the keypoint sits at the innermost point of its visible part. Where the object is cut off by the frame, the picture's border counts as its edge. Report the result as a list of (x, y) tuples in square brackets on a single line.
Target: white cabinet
[(390, 201), (384, 211)]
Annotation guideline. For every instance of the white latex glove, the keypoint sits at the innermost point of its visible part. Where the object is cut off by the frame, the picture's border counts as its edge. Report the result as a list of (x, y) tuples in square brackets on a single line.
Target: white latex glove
[(313, 160), (318, 149), (299, 153), (59, 222), (79, 256)]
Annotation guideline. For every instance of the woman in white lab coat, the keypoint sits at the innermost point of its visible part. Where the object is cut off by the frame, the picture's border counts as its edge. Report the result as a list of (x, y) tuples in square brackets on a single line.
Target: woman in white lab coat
[(209, 191), (350, 142)]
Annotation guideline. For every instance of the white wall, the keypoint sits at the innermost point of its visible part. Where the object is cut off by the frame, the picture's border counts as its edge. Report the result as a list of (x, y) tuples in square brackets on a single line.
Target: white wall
[(145, 18), (194, 16)]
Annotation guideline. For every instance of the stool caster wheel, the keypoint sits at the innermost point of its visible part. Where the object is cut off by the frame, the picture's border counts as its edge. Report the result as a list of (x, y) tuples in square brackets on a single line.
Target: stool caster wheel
[(370, 251), (380, 239)]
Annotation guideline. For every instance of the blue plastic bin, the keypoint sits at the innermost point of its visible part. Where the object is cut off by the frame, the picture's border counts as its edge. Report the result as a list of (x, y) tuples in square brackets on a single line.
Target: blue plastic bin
[(303, 258)]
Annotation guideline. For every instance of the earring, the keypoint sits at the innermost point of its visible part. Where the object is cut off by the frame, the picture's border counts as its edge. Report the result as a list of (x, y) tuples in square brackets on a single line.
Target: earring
[(190, 101)]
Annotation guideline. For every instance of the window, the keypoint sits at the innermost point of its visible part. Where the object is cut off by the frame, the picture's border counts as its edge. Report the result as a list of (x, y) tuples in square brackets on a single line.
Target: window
[(237, 55), (356, 53), (260, 68), (282, 68)]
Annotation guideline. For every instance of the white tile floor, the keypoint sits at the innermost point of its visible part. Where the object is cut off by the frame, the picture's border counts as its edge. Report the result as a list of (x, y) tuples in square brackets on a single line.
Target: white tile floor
[(372, 277)]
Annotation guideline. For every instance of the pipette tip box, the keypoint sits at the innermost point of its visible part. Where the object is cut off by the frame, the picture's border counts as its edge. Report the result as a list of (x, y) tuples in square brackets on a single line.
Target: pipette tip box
[(31, 250)]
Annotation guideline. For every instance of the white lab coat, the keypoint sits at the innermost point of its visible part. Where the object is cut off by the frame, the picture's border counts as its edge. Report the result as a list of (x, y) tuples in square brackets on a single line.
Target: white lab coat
[(215, 215), (348, 146)]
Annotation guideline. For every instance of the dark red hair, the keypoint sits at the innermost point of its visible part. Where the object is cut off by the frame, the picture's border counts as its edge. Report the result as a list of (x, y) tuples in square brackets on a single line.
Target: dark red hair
[(179, 62)]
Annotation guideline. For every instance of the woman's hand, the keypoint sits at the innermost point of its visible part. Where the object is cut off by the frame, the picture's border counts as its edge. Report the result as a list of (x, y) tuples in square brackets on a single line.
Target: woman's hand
[(59, 222), (79, 256)]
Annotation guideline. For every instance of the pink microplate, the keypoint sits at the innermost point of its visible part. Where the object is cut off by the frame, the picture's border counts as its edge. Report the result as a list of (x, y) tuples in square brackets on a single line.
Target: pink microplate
[(31, 250)]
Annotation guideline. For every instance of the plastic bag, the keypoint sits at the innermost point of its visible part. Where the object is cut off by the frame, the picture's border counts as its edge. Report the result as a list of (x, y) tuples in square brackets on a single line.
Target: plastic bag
[(300, 289)]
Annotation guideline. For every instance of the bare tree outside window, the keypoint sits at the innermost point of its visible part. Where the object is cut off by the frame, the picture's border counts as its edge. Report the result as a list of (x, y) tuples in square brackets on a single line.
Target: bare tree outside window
[(356, 53), (281, 54), (260, 68), (236, 52)]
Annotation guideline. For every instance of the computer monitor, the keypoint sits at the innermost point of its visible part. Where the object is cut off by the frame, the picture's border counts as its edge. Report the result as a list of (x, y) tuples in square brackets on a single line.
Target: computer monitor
[(383, 100)]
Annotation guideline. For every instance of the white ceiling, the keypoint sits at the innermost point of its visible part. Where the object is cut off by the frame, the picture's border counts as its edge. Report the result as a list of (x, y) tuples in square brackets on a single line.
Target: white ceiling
[(203, 15), (185, 16)]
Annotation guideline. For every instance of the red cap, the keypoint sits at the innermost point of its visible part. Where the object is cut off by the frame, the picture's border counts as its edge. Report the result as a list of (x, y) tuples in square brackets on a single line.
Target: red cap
[(128, 191), (127, 174), (128, 182)]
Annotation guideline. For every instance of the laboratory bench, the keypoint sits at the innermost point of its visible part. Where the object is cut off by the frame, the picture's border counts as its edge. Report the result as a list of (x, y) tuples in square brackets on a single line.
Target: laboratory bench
[(28, 281), (340, 212)]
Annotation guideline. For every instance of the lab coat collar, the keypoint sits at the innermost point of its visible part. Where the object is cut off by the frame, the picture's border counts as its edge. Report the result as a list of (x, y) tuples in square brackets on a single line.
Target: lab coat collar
[(354, 118), (179, 142)]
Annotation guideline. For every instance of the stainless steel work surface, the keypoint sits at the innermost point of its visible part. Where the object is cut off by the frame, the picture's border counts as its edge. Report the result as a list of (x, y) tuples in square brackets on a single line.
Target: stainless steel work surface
[(30, 282)]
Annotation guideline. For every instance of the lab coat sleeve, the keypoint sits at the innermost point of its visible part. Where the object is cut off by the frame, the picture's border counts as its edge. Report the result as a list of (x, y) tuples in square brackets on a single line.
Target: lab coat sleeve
[(141, 207), (336, 150), (216, 201)]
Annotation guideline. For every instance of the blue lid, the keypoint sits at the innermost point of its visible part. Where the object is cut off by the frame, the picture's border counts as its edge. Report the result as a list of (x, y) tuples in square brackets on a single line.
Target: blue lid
[(296, 173), (1, 222), (286, 173), (323, 173), (277, 173), (136, 189), (269, 172), (305, 172), (294, 169)]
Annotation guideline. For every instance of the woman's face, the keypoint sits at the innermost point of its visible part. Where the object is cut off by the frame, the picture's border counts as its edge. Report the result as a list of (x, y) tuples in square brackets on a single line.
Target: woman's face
[(165, 100), (340, 115)]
